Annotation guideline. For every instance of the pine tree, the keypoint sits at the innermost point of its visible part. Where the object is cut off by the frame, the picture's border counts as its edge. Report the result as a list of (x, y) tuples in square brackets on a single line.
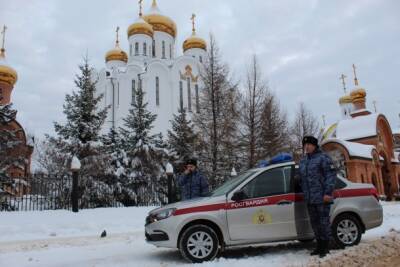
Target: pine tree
[(182, 141), (79, 135), (138, 154), (9, 141)]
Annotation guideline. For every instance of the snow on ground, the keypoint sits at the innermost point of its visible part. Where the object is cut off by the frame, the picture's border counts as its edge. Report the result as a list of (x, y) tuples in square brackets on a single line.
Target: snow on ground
[(63, 238)]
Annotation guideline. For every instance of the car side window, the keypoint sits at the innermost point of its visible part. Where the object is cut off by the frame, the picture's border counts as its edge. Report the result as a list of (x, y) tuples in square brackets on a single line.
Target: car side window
[(339, 184), (268, 183)]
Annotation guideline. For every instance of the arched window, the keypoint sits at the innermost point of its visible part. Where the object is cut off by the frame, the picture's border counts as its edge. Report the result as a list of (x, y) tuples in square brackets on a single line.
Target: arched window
[(133, 90), (144, 49), (130, 49), (170, 51), (136, 49), (196, 88), (189, 95), (154, 48), (118, 94), (201, 59), (163, 49), (157, 91), (180, 94)]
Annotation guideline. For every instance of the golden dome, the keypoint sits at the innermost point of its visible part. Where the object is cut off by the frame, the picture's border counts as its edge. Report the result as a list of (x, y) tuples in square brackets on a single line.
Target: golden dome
[(358, 95), (160, 22), (7, 74), (140, 27), (345, 99), (194, 42), (116, 54)]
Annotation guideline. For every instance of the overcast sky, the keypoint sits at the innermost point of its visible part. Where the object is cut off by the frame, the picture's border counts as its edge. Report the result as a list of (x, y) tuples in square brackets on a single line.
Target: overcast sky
[(303, 47)]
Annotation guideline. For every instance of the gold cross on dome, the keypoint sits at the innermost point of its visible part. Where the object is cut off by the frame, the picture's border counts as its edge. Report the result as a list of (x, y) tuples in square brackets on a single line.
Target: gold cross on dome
[(117, 40), (140, 8), (342, 77), (193, 23), (355, 75), (3, 33)]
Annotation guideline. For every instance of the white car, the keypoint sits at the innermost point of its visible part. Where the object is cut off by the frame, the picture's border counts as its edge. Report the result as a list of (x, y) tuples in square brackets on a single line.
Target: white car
[(260, 205)]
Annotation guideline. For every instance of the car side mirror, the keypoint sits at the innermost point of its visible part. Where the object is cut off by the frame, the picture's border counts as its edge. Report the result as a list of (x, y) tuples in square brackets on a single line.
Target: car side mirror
[(238, 196)]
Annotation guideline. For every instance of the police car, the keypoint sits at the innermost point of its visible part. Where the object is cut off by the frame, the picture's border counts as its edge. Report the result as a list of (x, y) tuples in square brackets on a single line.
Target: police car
[(260, 205)]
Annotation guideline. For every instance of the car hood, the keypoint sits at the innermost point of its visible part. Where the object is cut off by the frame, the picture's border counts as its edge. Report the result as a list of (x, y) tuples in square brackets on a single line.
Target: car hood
[(190, 203)]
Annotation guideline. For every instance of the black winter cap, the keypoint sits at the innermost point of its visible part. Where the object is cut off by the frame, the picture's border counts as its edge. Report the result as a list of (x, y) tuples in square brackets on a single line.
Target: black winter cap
[(310, 140), (191, 161)]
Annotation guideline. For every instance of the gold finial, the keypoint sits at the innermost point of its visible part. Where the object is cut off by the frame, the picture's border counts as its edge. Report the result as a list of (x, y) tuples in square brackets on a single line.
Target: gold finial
[(355, 75), (140, 8), (342, 77), (193, 23), (3, 50), (117, 37), (374, 102)]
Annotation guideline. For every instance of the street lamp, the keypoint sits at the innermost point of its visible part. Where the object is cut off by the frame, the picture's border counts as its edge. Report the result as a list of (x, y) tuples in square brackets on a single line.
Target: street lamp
[(75, 167), (169, 170)]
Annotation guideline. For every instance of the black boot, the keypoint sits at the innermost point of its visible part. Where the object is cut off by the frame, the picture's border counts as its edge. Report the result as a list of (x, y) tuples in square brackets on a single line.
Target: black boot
[(324, 248), (317, 250)]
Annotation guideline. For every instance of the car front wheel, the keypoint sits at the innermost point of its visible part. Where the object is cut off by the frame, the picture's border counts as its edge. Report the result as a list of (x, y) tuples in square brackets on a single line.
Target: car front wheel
[(199, 243), (346, 230)]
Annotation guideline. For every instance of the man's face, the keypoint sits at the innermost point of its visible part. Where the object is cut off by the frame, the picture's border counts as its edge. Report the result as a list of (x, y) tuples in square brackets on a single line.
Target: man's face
[(309, 148), (190, 167)]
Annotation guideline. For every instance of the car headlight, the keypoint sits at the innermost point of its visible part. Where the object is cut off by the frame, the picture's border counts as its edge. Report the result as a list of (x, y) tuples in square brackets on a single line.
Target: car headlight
[(161, 215)]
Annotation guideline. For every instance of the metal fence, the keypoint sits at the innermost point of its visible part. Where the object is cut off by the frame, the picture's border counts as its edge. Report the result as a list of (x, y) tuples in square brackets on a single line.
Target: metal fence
[(43, 192)]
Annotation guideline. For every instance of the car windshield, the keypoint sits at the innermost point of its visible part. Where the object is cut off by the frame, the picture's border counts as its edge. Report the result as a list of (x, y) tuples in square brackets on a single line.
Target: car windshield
[(232, 183)]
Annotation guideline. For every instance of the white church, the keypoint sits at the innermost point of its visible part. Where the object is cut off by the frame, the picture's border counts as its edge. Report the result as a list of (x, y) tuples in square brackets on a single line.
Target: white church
[(168, 80)]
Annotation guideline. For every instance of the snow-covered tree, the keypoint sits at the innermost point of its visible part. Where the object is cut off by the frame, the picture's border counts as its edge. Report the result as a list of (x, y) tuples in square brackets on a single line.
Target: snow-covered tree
[(137, 155), (80, 134), (182, 140), (9, 141)]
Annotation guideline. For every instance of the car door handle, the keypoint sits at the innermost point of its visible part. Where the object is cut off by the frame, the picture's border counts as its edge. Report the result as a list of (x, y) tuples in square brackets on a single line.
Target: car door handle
[(285, 202)]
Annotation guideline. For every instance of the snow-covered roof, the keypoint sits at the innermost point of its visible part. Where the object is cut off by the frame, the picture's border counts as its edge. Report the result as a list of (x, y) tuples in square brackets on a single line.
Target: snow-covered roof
[(358, 127), (354, 149)]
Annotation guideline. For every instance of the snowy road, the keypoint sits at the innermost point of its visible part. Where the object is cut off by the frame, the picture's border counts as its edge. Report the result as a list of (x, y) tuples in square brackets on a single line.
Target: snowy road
[(61, 238)]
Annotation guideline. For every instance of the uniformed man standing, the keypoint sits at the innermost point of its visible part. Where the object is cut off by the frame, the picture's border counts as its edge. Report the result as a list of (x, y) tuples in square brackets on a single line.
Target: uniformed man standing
[(318, 176)]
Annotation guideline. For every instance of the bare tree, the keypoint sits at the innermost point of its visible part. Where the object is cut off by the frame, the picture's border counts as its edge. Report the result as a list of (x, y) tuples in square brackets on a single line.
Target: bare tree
[(252, 104), (305, 123), (216, 117), (274, 135)]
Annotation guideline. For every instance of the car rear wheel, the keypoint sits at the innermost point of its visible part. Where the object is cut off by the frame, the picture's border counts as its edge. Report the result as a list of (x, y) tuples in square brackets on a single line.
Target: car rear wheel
[(347, 230), (199, 243)]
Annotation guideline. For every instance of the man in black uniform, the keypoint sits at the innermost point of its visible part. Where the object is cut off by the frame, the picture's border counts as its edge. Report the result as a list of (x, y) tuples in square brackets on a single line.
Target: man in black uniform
[(318, 176)]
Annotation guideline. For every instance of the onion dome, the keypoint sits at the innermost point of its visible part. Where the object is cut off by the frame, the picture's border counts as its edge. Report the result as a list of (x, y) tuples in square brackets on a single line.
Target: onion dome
[(358, 95), (160, 22), (193, 41), (140, 26), (116, 53), (7, 74), (345, 99)]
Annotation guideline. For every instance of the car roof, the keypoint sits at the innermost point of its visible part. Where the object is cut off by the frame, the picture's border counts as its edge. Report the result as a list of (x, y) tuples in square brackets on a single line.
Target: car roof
[(289, 163)]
